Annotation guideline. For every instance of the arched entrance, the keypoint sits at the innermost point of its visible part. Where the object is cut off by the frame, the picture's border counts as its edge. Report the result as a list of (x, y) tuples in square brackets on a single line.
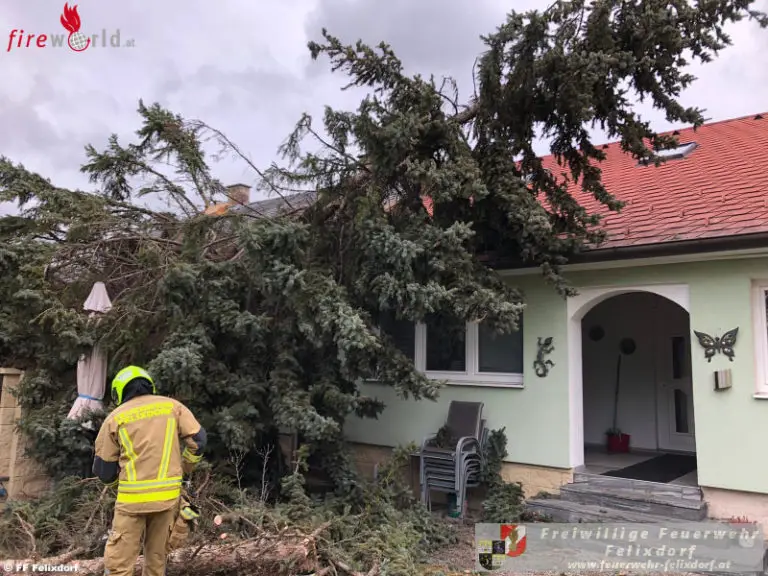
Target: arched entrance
[(630, 368)]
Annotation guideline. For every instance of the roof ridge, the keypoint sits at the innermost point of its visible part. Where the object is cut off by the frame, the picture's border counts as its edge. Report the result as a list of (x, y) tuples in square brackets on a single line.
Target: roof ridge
[(689, 128), (716, 122)]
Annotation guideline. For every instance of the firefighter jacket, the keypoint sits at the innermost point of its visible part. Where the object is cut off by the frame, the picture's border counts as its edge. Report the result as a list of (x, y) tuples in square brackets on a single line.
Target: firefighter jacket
[(144, 437)]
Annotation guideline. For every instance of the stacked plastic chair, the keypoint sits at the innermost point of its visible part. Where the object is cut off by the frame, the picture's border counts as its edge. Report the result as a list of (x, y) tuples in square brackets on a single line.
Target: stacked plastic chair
[(453, 470)]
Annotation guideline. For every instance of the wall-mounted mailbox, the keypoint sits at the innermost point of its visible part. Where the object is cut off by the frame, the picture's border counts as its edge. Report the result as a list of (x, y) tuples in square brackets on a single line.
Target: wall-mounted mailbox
[(723, 379)]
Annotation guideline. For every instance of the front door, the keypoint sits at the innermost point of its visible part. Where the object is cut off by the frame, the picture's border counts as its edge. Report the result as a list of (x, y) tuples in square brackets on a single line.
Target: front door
[(675, 422)]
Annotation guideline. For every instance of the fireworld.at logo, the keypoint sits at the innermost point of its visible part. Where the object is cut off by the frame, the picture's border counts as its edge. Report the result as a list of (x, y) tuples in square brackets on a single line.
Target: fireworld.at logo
[(75, 39)]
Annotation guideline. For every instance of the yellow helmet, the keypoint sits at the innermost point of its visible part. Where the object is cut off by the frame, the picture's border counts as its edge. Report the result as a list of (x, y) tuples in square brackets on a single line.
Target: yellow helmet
[(125, 376)]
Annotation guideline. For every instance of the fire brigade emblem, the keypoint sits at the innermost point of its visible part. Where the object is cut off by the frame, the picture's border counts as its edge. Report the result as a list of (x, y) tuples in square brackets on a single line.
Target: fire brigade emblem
[(510, 543)]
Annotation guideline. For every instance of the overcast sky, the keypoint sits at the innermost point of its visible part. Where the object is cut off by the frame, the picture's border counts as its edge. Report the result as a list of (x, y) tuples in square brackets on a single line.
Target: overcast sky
[(243, 67)]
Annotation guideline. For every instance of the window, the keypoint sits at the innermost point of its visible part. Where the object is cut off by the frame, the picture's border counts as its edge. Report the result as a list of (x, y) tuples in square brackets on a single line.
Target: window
[(446, 345), (499, 353), (402, 332), (678, 357), (681, 412), (677, 153), (760, 323), (469, 353), (461, 353)]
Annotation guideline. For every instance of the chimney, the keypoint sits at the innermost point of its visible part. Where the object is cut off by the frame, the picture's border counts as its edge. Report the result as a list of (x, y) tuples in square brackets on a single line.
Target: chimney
[(239, 194)]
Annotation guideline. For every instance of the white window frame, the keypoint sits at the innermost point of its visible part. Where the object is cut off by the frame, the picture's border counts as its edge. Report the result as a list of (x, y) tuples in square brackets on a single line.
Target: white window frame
[(760, 326), (471, 376)]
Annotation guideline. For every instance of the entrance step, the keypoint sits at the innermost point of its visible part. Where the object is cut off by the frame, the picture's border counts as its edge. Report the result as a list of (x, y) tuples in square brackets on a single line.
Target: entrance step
[(613, 483), (595, 498), (634, 500), (564, 511)]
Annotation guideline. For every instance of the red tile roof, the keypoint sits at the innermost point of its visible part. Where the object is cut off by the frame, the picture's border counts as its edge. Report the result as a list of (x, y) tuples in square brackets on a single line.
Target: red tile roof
[(719, 189)]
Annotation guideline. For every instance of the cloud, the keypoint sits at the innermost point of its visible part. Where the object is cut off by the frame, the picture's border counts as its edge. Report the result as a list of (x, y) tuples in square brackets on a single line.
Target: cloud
[(429, 35), (226, 63), (244, 68)]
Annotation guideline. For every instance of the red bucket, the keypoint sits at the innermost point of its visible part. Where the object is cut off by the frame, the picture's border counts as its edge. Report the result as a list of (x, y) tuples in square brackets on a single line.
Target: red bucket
[(618, 443)]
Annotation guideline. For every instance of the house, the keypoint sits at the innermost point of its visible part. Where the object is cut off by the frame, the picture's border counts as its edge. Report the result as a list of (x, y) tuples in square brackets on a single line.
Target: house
[(239, 200), (688, 254)]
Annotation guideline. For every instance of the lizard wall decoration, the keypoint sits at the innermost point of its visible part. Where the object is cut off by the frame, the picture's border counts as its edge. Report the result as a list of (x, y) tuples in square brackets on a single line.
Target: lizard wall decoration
[(540, 365)]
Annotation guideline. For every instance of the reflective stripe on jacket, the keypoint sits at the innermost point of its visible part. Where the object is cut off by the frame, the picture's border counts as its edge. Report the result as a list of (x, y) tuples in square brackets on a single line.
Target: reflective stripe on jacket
[(145, 436)]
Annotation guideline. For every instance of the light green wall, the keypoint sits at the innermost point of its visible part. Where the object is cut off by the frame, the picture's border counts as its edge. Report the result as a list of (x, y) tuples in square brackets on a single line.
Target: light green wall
[(731, 425), (535, 417)]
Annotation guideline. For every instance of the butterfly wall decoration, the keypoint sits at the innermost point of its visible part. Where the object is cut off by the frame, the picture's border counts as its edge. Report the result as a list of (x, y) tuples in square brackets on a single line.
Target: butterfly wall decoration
[(723, 344)]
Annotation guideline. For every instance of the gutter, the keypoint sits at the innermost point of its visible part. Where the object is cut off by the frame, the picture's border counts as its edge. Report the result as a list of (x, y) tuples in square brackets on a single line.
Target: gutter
[(657, 250)]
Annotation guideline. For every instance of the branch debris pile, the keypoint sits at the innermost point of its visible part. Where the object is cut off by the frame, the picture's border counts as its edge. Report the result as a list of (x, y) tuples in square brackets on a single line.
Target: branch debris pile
[(386, 533)]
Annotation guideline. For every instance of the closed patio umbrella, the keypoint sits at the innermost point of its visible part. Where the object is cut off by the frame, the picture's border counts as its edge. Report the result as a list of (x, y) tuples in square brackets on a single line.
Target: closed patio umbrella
[(92, 367)]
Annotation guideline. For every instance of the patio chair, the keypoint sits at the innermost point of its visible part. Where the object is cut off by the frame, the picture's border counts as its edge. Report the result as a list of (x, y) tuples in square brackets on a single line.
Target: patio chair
[(443, 459), (454, 470), (442, 476), (469, 478)]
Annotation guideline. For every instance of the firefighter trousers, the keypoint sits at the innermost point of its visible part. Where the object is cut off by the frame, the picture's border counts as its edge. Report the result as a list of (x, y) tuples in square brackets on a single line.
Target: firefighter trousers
[(124, 543)]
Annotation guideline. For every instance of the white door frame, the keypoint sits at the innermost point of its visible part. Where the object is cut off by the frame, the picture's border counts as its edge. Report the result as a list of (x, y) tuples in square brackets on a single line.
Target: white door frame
[(576, 308)]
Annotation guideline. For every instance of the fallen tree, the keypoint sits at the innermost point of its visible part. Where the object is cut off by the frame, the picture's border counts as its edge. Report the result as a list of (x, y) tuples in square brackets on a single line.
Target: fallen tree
[(268, 555), (260, 323)]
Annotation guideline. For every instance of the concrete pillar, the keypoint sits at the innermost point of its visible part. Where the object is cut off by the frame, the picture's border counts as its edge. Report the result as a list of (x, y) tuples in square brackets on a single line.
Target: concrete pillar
[(9, 380), (26, 477)]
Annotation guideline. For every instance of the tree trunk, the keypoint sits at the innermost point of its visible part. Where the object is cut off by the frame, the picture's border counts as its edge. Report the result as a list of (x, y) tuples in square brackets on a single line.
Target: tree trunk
[(265, 556)]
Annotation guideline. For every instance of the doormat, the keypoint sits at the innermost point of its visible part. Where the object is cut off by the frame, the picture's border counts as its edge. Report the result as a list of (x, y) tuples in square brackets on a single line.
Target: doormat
[(663, 469)]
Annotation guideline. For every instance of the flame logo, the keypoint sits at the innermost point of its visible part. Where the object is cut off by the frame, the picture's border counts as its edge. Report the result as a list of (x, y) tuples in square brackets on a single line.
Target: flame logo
[(70, 19)]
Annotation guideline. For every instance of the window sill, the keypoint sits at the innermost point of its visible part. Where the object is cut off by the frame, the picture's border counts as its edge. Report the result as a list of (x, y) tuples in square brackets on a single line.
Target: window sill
[(478, 378), (480, 381), (485, 384)]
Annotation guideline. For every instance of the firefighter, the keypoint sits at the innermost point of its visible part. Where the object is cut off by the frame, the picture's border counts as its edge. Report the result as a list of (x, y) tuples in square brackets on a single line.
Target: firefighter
[(139, 449)]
